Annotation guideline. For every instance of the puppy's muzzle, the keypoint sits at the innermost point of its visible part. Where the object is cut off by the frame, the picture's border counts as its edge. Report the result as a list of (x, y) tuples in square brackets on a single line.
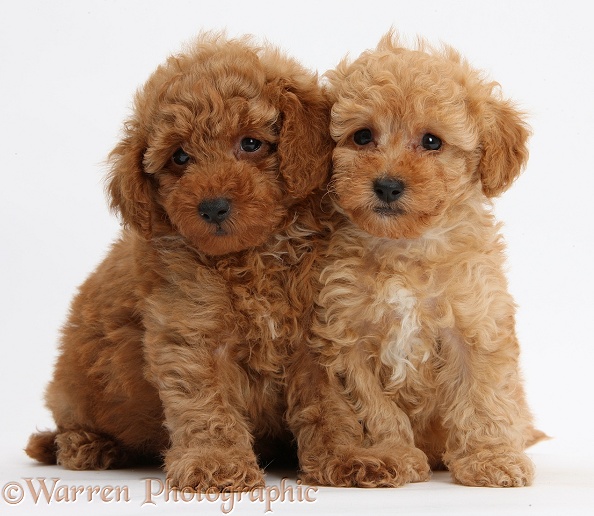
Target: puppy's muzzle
[(388, 189), (214, 211)]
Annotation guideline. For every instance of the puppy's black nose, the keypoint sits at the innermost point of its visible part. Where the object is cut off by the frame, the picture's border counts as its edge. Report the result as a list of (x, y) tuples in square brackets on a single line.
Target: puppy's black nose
[(388, 189), (214, 211)]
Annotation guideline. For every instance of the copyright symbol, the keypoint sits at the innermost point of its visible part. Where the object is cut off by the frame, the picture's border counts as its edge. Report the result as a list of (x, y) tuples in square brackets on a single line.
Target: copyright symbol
[(13, 493)]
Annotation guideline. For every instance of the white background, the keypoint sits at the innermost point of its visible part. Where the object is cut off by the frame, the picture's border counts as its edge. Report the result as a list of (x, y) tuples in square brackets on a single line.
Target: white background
[(68, 70)]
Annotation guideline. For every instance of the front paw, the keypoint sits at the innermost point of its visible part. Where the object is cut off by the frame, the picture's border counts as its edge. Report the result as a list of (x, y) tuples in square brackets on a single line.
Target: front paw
[(219, 470), (493, 468), (366, 467)]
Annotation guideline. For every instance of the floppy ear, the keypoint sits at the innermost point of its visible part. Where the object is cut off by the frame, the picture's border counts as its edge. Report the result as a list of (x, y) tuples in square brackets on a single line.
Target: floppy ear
[(128, 186), (503, 140), (305, 146)]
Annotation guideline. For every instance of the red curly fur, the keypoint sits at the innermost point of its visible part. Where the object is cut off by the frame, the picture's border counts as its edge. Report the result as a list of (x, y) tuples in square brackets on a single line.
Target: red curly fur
[(177, 344)]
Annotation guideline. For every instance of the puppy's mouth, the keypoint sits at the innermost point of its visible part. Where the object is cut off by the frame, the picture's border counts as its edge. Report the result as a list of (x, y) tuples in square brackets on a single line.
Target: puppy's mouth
[(388, 211), (220, 231)]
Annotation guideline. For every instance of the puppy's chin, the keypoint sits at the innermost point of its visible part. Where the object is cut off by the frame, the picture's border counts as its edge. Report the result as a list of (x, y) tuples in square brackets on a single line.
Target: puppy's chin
[(220, 246), (220, 243), (393, 224)]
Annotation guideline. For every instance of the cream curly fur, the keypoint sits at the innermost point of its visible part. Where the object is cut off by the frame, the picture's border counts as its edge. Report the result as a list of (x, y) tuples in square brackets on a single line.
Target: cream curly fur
[(415, 323)]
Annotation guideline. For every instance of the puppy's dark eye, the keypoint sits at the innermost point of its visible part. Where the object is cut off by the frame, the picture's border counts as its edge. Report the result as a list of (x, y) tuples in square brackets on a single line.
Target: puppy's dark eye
[(431, 142), (250, 144), (181, 158), (363, 137)]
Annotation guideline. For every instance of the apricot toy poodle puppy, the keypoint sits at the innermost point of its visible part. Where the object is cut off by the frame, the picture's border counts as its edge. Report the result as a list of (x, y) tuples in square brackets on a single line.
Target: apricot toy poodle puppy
[(416, 325), (177, 344)]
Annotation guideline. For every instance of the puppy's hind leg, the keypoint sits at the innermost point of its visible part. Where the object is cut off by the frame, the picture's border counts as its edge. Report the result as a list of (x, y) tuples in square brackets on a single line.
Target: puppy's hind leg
[(75, 449), (83, 450)]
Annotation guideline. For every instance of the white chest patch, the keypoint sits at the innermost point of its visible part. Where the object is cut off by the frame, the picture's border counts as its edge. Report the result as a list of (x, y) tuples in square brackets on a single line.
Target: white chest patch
[(403, 339)]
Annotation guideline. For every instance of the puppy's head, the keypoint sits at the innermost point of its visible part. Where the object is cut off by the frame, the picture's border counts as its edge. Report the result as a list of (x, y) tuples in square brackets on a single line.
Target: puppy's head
[(224, 139), (417, 132)]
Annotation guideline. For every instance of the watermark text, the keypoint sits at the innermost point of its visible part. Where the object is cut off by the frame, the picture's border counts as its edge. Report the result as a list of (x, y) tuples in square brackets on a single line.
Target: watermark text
[(151, 491)]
